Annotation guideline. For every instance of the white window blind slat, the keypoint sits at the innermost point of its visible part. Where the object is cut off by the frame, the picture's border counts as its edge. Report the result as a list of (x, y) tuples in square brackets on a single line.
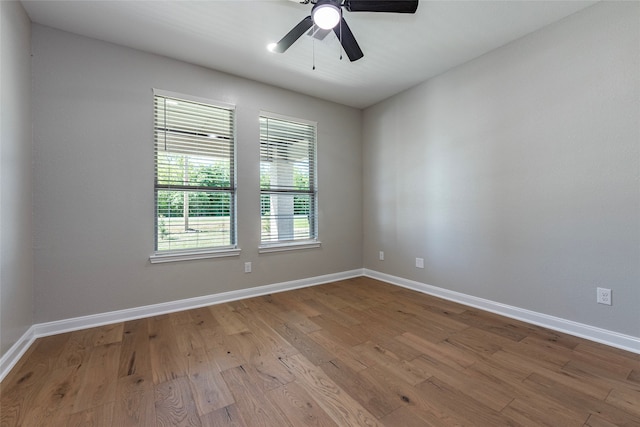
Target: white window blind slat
[(287, 180), (194, 175)]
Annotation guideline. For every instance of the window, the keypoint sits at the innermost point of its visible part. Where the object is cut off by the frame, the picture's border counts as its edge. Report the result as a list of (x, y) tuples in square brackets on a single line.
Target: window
[(288, 192), (194, 175)]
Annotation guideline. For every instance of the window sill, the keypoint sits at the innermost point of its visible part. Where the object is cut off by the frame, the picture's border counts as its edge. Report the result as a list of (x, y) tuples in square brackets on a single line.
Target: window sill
[(290, 246), (193, 255)]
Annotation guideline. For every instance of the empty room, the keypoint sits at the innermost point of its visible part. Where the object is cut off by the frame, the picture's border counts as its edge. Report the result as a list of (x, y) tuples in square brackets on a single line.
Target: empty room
[(320, 212)]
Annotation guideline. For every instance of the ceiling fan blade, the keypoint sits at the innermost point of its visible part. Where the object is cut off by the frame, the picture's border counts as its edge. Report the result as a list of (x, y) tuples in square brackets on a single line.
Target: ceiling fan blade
[(293, 35), (348, 41), (394, 6)]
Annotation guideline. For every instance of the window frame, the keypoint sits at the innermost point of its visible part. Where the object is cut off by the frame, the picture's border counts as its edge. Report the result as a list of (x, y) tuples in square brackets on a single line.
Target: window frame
[(171, 255), (293, 244)]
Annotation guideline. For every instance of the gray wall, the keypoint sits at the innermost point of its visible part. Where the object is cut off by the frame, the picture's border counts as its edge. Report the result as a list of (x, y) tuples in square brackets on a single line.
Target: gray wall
[(16, 252), (93, 197), (516, 175)]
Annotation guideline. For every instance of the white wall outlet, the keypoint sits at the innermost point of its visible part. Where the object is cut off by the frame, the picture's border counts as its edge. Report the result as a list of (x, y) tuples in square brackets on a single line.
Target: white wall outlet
[(247, 267), (603, 296), (381, 255), (420, 262)]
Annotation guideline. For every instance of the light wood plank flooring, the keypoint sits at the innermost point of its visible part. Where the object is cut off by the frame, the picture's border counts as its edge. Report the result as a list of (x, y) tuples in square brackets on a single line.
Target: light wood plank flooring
[(355, 352)]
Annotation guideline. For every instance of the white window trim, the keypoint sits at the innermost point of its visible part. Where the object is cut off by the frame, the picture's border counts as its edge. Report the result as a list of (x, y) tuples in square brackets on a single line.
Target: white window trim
[(277, 116), (162, 257), (289, 246), (207, 101)]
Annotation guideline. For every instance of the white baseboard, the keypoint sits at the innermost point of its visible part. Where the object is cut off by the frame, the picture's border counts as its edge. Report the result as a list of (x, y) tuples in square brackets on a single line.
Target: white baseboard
[(17, 350), (12, 356), (592, 333)]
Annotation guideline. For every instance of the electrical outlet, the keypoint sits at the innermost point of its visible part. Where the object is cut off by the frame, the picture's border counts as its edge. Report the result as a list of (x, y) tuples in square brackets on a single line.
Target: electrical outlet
[(420, 262), (603, 296), (247, 267), (381, 256)]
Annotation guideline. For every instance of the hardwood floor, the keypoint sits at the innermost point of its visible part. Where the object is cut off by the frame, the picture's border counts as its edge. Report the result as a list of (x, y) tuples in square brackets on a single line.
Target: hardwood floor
[(355, 352)]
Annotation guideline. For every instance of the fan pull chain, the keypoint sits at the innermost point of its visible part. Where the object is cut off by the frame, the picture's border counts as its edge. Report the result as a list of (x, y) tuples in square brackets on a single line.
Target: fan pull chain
[(313, 44), (340, 47)]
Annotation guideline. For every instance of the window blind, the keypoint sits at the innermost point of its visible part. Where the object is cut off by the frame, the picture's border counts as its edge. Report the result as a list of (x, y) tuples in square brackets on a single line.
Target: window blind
[(287, 180), (194, 175)]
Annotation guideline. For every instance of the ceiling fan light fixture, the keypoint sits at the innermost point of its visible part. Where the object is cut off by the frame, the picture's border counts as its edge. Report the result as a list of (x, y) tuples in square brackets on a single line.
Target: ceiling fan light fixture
[(326, 15)]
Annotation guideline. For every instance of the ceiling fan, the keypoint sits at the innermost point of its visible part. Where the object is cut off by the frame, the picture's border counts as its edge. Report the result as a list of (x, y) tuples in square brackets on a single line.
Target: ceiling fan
[(327, 15)]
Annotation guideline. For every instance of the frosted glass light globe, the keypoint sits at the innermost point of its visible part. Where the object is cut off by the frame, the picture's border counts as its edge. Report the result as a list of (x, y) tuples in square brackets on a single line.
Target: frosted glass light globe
[(326, 16)]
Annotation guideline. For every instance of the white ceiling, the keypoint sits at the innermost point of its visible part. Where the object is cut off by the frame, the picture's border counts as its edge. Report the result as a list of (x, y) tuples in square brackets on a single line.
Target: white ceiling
[(400, 50)]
